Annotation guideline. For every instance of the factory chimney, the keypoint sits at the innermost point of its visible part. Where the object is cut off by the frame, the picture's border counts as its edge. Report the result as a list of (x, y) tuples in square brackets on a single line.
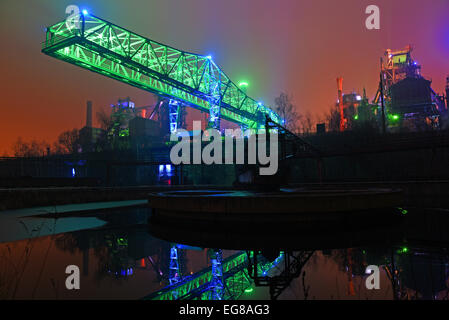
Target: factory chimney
[(340, 103), (89, 114), (447, 92)]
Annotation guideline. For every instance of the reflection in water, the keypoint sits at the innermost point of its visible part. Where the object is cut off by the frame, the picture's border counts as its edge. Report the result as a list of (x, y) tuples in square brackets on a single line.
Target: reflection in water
[(122, 260), (166, 174)]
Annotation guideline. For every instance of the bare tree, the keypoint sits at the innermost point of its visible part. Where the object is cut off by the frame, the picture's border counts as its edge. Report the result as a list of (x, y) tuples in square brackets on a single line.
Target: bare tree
[(104, 119), (33, 148), (333, 119), (287, 110), (69, 141), (57, 149), (307, 123)]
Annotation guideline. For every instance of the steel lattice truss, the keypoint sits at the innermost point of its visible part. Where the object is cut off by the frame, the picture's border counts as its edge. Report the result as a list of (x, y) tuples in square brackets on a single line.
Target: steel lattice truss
[(201, 286), (193, 79)]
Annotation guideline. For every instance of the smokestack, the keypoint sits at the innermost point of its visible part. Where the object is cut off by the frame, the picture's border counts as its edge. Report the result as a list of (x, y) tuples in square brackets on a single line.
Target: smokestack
[(340, 103), (447, 92), (89, 114)]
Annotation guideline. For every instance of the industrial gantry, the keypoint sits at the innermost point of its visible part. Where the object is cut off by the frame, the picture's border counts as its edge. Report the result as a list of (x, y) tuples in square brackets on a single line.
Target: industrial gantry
[(184, 78)]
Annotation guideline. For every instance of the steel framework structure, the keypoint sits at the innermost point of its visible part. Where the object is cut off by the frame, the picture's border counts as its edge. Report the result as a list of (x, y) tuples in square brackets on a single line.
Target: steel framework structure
[(217, 285), (174, 271), (192, 79), (173, 114), (396, 66), (226, 280)]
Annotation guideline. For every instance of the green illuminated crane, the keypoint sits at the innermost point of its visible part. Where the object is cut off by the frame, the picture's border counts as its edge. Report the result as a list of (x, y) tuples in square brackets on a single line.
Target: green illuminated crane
[(187, 78)]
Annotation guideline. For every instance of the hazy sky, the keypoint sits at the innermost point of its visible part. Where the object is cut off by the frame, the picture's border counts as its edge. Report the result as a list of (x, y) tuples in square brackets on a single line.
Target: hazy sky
[(297, 46)]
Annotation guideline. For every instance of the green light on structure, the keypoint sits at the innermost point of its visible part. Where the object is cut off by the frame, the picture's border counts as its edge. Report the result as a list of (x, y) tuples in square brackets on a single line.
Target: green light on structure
[(393, 117), (403, 250), (249, 290), (115, 62), (356, 117)]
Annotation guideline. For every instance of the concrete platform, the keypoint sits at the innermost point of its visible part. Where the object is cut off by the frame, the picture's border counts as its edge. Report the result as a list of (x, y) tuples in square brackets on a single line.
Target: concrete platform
[(287, 205)]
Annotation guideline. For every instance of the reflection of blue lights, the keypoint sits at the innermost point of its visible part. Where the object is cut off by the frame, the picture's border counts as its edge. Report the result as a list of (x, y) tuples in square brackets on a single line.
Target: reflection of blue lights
[(167, 168), (124, 272), (272, 264), (73, 172)]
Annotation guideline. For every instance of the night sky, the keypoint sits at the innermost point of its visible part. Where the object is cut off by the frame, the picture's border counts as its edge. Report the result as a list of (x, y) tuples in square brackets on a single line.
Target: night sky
[(297, 46)]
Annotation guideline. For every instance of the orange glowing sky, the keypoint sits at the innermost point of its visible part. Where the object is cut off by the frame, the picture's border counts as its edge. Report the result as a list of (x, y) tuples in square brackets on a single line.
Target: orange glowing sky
[(298, 46)]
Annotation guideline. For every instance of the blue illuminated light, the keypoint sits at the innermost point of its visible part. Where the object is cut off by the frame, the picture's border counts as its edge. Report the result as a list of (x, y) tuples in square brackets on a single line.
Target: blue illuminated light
[(73, 172), (168, 167), (209, 57), (161, 168), (85, 12)]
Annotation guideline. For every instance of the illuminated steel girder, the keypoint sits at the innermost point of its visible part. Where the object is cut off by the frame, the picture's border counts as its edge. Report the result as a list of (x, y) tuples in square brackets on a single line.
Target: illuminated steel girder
[(194, 80), (201, 285), (217, 283), (173, 115), (174, 272)]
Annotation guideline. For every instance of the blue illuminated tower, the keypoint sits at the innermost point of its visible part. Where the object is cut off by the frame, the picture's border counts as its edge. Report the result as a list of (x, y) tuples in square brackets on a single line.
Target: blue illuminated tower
[(174, 275), (173, 114), (217, 282)]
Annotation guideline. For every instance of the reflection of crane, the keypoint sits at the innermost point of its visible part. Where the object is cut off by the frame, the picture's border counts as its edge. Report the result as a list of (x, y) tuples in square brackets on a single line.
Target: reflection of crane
[(293, 264), (225, 279)]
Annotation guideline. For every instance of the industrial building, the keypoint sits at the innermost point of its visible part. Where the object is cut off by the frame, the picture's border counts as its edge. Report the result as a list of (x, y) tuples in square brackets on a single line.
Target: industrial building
[(408, 99), (404, 101), (348, 106)]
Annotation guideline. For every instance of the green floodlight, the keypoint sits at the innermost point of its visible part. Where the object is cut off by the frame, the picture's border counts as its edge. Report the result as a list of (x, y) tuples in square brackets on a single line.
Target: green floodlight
[(249, 290), (403, 250), (243, 84)]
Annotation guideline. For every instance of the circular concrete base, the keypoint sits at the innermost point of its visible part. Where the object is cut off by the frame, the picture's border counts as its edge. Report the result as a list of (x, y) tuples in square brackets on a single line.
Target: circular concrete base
[(287, 205)]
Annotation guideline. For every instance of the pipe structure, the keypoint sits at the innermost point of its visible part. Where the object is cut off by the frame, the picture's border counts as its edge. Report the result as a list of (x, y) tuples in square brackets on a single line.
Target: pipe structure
[(340, 103)]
